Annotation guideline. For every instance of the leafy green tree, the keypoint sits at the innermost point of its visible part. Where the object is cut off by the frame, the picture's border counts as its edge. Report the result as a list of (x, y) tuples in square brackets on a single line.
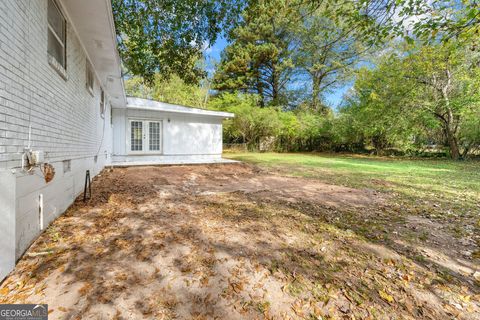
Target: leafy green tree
[(250, 123), (177, 91), (259, 58), (316, 131), (424, 92), (173, 90), (469, 132), (326, 49), (448, 80), (443, 20), (348, 132), (168, 36), (299, 130), (429, 21), (288, 132), (376, 112), (417, 90), (136, 87)]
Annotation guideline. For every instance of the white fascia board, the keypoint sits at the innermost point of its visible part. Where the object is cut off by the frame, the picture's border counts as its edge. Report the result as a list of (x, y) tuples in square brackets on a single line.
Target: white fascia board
[(151, 105)]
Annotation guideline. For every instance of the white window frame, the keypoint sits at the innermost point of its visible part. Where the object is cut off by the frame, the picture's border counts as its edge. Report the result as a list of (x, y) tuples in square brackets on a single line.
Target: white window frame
[(146, 136), (62, 42)]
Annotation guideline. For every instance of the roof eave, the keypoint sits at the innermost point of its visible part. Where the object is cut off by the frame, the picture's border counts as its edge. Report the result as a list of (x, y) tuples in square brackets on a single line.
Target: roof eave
[(92, 22), (208, 113), (157, 106)]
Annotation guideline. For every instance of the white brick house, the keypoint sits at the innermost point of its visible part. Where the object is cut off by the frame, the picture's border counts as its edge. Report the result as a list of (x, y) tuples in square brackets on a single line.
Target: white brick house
[(46, 105), (62, 104)]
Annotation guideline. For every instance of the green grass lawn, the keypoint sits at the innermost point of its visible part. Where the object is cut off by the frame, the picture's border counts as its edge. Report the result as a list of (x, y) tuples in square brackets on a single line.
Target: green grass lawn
[(453, 185)]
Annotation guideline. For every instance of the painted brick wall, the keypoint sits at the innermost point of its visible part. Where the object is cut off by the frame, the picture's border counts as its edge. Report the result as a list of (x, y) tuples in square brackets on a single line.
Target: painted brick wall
[(64, 117), (65, 123)]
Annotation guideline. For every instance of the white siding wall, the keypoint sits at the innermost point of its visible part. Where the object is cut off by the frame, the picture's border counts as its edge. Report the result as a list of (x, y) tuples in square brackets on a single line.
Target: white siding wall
[(184, 137), (63, 116)]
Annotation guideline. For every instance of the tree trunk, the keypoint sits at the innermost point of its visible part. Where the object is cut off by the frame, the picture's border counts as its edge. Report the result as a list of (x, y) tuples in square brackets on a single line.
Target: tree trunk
[(315, 93), (275, 84), (450, 128), (260, 92), (466, 150), (317, 80), (453, 144)]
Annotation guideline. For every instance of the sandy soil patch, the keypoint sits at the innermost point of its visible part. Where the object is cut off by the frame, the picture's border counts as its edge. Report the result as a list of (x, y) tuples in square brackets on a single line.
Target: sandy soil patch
[(234, 242)]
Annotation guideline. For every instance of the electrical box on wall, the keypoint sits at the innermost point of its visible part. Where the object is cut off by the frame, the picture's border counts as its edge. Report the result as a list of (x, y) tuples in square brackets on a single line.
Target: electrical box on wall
[(37, 157)]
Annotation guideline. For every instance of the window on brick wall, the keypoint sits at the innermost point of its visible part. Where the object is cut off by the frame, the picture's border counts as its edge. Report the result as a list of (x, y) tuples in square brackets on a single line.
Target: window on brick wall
[(57, 38), (89, 77), (102, 102)]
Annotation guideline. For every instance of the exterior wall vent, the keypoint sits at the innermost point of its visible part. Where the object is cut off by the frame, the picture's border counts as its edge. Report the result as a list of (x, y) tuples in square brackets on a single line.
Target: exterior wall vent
[(67, 166)]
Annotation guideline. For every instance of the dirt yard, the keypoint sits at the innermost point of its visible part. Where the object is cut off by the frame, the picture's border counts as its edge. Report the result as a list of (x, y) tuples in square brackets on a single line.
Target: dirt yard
[(236, 242)]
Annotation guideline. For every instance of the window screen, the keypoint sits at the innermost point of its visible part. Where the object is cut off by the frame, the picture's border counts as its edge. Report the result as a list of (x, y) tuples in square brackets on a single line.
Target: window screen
[(56, 33), (136, 136), (154, 136)]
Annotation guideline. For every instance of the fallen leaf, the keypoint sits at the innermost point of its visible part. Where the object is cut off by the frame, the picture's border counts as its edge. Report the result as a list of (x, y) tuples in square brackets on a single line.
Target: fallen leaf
[(237, 287), (317, 312), (407, 277), (476, 276), (85, 289), (4, 291), (20, 285), (297, 308), (385, 296)]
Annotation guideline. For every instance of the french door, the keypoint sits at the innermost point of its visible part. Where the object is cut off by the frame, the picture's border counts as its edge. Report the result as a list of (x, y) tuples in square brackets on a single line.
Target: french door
[(145, 136)]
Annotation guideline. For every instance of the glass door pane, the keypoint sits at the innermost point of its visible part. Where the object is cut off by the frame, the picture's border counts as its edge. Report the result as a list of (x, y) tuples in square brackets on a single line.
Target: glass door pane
[(154, 136), (136, 136)]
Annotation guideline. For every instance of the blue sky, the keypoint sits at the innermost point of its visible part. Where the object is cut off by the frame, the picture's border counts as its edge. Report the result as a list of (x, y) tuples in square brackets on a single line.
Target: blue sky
[(213, 54), (215, 50)]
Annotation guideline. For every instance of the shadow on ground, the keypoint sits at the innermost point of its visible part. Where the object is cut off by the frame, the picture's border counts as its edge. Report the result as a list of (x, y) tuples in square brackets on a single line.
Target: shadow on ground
[(232, 242)]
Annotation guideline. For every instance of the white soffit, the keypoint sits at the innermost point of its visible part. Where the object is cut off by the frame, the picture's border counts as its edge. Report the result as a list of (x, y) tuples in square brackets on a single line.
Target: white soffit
[(92, 21), (146, 104)]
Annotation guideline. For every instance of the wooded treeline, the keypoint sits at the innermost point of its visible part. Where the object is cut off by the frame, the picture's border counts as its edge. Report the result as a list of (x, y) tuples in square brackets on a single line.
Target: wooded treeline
[(415, 70)]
